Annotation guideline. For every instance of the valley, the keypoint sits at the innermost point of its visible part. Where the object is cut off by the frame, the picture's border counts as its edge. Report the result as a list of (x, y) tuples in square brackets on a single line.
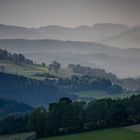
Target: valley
[(69, 70)]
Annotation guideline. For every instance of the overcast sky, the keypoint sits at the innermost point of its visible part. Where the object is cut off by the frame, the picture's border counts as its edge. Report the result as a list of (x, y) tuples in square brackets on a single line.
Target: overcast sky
[(70, 13)]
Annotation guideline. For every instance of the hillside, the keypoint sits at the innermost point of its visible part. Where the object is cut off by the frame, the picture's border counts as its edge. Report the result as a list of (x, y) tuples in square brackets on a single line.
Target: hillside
[(115, 35), (93, 33), (18, 59), (88, 54), (10, 107), (20, 65), (14, 32), (128, 39), (36, 92), (96, 32), (30, 91), (27, 70)]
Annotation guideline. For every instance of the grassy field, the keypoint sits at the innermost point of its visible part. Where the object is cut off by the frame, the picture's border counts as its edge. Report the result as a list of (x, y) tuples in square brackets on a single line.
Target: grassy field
[(92, 94), (22, 136), (25, 70), (126, 133), (31, 70), (101, 94), (108, 134), (134, 128)]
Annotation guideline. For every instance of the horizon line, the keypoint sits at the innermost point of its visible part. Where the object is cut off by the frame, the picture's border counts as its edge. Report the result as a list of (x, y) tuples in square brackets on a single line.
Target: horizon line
[(37, 27)]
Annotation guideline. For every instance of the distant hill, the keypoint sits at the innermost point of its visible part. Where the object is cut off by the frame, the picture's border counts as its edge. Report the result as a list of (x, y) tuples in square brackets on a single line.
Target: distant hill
[(122, 62), (81, 33), (10, 107), (17, 63), (116, 35), (127, 39), (94, 33), (14, 32)]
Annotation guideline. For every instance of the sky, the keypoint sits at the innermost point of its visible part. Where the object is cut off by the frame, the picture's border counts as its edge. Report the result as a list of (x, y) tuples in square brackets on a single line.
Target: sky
[(69, 13)]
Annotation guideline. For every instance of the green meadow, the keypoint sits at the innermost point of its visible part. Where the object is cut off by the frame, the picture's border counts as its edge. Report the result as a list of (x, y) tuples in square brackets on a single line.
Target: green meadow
[(22, 136), (101, 94), (107, 134)]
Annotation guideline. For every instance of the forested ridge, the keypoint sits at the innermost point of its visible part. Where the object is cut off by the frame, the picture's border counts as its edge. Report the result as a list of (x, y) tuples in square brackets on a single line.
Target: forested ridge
[(85, 83), (66, 117), (10, 107), (38, 92), (16, 58), (85, 70), (29, 91)]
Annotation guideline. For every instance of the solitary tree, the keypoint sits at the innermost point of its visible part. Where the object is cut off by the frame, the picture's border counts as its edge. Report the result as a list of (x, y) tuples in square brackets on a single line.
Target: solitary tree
[(54, 67), (43, 64)]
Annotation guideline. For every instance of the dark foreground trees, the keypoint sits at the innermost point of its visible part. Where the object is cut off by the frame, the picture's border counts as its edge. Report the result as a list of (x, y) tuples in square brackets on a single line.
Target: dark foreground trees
[(65, 117), (14, 124), (38, 121)]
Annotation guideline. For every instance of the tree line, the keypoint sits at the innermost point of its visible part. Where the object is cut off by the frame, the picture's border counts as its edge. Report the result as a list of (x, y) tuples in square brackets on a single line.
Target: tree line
[(16, 58), (85, 70), (85, 83), (66, 117)]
